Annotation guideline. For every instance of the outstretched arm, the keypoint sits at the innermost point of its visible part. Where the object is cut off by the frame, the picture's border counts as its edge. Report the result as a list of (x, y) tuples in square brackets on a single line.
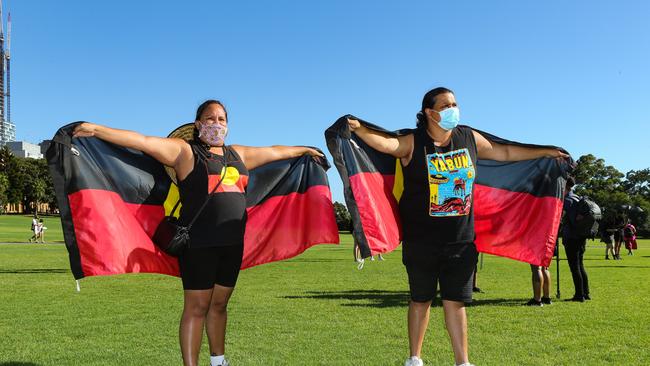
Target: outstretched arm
[(399, 147), (500, 152), (257, 156), (165, 150)]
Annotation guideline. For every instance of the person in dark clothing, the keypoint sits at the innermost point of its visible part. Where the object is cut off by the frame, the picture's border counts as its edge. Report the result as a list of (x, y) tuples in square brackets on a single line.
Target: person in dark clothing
[(438, 162), (608, 236), (574, 245), (619, 224), (210, 265)]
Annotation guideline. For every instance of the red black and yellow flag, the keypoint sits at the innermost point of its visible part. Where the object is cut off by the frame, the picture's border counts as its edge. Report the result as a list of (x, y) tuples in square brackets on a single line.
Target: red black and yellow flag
[(111, 200), (517, 205)]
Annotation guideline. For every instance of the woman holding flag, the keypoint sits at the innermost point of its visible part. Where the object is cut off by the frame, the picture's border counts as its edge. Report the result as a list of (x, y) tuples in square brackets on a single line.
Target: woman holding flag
[(438, 162), (210, 265)]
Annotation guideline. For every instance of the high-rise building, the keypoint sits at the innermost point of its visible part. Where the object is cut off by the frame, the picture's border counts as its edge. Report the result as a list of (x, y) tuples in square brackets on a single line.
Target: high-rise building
[(24, 149), (7, 127)]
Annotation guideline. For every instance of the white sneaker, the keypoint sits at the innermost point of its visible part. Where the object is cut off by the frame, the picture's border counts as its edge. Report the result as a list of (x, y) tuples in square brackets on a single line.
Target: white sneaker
[(361, 261), (380, 257), (414, 361), (224, 363)]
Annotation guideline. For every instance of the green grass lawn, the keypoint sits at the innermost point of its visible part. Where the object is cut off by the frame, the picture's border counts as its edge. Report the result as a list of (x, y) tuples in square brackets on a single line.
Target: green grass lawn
[(318, 309)]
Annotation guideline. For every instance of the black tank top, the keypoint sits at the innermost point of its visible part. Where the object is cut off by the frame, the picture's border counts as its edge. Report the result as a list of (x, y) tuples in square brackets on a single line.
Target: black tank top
[(223, 219), (436, 204)]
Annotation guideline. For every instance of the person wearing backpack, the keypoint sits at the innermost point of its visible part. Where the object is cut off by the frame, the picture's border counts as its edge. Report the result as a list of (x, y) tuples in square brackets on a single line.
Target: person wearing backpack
[(629, 235), (575, 241)]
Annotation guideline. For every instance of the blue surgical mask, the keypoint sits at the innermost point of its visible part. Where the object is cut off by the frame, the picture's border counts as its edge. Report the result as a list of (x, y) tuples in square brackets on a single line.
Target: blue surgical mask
[(449, 118)]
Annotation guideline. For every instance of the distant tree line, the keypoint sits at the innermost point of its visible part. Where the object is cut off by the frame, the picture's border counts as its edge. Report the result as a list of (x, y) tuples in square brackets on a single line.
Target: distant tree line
[(25, 181), (616, 193), (627, 195), (343, 218)]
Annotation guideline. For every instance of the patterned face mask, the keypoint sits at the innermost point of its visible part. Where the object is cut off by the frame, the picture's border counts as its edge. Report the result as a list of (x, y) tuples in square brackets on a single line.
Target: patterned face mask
[(213, 134)]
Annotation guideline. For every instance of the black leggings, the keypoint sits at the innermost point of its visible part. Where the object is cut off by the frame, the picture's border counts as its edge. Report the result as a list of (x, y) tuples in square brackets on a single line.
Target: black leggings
[(575, 251)]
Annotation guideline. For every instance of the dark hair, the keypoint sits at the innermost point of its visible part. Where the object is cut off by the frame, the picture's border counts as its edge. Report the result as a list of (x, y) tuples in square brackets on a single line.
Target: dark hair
[(201, 109), (570, 182), (429, 101)]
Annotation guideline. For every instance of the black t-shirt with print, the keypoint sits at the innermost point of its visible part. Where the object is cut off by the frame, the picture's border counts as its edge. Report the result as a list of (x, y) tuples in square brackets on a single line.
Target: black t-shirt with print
[(436, 206), (223, 221)]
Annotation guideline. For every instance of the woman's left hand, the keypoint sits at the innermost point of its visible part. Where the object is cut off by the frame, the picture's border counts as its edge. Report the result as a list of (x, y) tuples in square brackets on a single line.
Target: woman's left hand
[(314, 152), (557, 154)]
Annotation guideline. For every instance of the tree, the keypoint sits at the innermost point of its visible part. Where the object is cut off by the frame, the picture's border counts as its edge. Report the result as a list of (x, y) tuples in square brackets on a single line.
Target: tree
[(343, 218), (637, 186), (17, 175), (49, 196), (5, 158), (614, 191), (4, 186), (602, 183), (637, 182), (29, 181)]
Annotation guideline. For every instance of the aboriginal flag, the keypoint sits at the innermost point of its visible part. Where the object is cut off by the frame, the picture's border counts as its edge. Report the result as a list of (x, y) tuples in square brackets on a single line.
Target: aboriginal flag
[(111, 200), (517, 205)]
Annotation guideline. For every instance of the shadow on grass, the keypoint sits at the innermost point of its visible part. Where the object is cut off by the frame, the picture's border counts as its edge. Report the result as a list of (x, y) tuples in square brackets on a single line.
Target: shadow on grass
[(387, 299), (32, 271), (361, 298), (15, 363), (498, 302)]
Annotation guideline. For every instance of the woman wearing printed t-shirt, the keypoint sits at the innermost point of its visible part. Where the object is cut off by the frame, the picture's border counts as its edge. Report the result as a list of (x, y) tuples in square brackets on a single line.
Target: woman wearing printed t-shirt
[(210, 266), (439, 166)]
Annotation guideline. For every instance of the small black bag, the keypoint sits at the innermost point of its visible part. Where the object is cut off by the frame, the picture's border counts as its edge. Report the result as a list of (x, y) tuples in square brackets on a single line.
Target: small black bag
[(172, 237)]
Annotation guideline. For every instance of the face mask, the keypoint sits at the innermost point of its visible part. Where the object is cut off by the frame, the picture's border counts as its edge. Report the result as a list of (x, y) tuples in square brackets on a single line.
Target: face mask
[(213, 134), (449, 118)]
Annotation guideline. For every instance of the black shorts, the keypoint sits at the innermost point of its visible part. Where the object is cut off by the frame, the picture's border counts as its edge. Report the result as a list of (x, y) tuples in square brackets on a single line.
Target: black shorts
[(202, 268), (450, 265)]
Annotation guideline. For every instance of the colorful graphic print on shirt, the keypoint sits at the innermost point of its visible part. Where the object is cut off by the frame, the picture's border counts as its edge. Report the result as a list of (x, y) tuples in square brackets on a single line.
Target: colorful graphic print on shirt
[(232, 181), (451, 178)]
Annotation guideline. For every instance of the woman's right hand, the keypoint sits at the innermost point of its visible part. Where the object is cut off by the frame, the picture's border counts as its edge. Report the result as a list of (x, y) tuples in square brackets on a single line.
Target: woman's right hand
[(353, 124), (84, 130)]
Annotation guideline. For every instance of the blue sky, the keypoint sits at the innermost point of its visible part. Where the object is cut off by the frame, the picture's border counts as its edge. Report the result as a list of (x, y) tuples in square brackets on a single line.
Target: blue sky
[(570, 73)]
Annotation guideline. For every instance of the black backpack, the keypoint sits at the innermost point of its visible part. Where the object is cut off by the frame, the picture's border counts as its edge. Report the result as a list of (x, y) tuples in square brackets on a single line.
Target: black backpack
[(587, 218)]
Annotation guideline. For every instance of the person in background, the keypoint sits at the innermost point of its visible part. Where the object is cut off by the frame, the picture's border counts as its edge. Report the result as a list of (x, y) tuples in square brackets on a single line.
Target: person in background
[(541, 284), (608, 237), (619, 224), (41, 231), (574, 245), (475, 287), (629, 235), (33, 228)]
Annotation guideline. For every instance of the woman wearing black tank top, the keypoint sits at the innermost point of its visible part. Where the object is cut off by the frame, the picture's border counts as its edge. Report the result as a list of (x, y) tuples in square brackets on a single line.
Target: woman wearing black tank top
[(209, 268), (438, 162)]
